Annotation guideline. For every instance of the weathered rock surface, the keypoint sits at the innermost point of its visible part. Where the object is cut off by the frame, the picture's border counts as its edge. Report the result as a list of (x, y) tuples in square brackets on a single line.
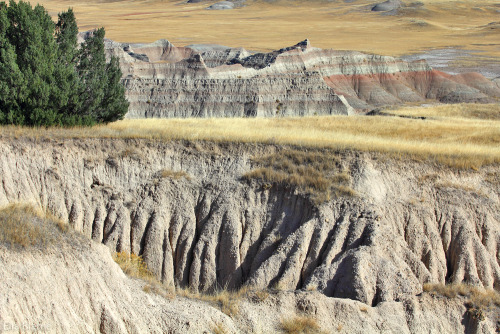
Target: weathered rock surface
[(222, 5), (203, 81), (77, 288), (215, 230), (387, 5)]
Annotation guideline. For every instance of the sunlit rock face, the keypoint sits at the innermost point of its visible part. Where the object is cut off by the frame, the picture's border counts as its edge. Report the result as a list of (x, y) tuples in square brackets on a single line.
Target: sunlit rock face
[(163, 80)]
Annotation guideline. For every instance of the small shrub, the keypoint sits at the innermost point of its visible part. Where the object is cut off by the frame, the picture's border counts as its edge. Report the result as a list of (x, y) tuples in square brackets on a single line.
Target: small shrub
[(300, 325), (476, 313), (133, 265), (260, 296)]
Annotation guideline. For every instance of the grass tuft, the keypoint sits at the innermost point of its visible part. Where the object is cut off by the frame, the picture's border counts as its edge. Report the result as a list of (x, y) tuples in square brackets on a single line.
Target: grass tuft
[(24, 226), (300, 325), (175, 175), (226, 300), (134, 266), (478, 300), (218, 328)]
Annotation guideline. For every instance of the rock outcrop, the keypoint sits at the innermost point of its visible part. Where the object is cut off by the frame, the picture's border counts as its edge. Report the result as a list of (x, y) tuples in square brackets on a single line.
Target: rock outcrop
[(77, 288), (215, 81), (408, 226)]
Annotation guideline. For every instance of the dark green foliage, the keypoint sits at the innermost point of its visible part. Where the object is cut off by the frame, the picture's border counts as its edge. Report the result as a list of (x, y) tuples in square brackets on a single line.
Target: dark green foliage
[(46, 78)]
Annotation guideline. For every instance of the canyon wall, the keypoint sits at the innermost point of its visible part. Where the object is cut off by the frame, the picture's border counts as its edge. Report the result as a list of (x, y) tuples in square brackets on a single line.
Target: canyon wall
[(163, 80), (407, 225)]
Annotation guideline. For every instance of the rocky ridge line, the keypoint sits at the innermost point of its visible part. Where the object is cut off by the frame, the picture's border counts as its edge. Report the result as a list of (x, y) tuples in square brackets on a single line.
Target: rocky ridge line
[(163, 80)]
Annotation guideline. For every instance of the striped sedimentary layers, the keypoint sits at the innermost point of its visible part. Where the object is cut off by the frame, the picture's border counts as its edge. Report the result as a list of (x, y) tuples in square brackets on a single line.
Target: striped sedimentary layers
[(216, 81)]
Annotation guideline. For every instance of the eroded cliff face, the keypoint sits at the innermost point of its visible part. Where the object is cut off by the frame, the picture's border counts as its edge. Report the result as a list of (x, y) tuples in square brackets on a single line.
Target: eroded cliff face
[(75, 287), (410, 223), (216, 81)]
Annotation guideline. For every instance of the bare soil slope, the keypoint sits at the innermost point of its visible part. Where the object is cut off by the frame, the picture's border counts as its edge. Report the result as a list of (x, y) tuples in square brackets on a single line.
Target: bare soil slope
[(185, 208)]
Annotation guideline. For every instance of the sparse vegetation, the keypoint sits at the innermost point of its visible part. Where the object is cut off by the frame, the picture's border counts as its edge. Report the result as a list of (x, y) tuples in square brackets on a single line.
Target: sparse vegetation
[(131, 153), (363, 308), (300, 325), (455, 185), (318, 173), (493, 178), (24, 226), (478, 300), (176, 175), (134, 266), (225, 300), (218, 328)]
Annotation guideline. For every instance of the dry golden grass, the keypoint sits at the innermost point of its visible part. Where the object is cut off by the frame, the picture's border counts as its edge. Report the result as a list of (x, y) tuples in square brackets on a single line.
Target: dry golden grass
[(133, 265), (459, 111), (226, 300), (218, 328), (478, 296), (458, 142), (478, 300), (22, 225), (265, 26), (314, 172), (300, 325), (455, 185), (176, 175)]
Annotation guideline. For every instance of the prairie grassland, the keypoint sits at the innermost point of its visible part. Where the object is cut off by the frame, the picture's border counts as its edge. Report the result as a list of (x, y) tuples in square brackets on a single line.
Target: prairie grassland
[(467, 111), (267, 26), (462, 142)]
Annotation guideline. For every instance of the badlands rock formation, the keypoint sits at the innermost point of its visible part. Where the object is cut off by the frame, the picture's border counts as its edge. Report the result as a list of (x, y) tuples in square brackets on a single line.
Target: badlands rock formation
[(408, 226), (215, 81), (411, 223)]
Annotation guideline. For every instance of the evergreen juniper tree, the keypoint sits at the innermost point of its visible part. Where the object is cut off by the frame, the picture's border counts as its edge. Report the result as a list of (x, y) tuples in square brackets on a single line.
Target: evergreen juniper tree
[(46, 78)]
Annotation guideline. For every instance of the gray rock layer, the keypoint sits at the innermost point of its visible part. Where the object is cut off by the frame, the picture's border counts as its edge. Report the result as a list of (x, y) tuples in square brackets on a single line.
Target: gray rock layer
[(162, 80), (214, 230)]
